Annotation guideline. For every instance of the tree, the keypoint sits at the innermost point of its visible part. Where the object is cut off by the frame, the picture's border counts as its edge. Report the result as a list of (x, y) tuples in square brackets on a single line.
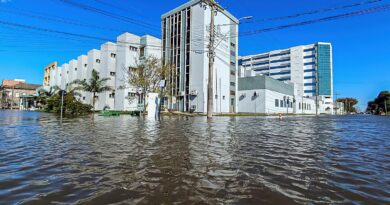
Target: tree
[(349, 104), (45, 94), (146, 76), (381, 104), (95, 85)]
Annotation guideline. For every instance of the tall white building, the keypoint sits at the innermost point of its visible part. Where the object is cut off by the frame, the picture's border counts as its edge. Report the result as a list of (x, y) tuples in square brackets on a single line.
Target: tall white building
[(111, 61), (185, 44), (308, 67)]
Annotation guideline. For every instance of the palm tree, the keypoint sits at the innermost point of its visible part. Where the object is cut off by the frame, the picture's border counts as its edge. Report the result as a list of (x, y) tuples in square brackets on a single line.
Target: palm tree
[(44, 94), (95, 85)]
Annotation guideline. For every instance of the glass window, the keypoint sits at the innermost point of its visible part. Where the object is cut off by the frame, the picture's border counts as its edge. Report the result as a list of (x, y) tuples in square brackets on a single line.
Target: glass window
[(276, 103)]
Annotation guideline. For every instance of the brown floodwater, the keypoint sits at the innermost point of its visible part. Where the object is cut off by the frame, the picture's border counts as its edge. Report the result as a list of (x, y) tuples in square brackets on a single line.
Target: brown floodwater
[(180, 160)]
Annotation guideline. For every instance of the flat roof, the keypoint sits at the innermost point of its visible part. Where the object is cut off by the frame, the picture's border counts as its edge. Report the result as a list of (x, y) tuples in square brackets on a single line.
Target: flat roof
[(194, 2)]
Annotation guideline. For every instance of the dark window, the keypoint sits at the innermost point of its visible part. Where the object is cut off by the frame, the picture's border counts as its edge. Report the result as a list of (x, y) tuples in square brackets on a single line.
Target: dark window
[(276, 103)]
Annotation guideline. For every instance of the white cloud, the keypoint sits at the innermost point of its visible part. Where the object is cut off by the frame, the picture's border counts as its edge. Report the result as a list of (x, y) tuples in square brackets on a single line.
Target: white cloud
[(4, 1)]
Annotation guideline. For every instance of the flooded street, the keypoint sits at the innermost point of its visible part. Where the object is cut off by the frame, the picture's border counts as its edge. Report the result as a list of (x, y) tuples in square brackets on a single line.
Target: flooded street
[(231, 160)]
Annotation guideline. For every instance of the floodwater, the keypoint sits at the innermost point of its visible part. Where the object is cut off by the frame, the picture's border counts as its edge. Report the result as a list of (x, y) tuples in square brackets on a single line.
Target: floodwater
[(180, 160)]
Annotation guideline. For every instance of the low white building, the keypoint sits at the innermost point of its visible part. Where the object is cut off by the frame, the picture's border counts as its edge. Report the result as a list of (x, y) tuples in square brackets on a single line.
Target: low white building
[(265, 95), (309, 67), (111, 61)]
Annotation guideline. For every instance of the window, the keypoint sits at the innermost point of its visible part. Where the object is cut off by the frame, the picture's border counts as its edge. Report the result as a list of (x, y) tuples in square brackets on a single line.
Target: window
[(75, 69), (309, 84), (85, 65), (132, 48), (142, 51), (233, 45), (276, 103), (309, 70), (67, 72), (309, 63), (97, 60), (281, 103), (310, 56), (83, 98), (280, 60), (232, 83), (233, 63), (112, 73), (113, 55), (309, 77), (299, 105), (130, 94), (112, 95), (232, 73), (309, 49)]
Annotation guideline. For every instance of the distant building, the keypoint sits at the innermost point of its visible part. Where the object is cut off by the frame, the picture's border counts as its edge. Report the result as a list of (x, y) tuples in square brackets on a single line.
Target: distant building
[(184, 31), (265, 95), (17, 94), (112, 61), (309, 67), (47, 74)]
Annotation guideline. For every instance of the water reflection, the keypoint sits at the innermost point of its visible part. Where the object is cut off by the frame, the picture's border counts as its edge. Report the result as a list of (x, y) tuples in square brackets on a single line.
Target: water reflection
[(251, 160)]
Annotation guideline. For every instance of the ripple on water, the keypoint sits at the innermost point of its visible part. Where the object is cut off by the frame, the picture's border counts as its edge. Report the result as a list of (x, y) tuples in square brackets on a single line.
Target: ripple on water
[(243, 160)]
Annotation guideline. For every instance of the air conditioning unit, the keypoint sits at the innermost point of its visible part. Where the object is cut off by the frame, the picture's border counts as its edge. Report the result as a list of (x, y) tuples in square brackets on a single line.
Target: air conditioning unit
[(182, 93), (194, 92)]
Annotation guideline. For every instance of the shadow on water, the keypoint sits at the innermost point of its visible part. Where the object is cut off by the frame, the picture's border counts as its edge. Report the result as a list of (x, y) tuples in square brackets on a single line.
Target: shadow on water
[(228, 160)]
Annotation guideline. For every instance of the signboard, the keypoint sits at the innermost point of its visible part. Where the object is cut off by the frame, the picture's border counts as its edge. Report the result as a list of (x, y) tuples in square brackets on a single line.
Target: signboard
[(162, 83)]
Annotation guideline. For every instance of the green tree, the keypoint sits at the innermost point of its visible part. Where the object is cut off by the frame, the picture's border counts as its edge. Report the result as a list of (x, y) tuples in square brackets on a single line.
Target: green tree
[(146, 76), (381, 104), (45, 94), (95, 85), (349, 104)]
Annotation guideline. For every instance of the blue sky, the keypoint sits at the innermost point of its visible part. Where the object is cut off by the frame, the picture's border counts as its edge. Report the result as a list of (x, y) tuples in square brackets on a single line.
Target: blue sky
[(360, 44)]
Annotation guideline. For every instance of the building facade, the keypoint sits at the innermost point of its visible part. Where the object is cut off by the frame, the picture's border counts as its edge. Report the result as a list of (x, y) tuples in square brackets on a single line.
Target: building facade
[(17, 94), (111, 61), (185, 32), (48, 73), (308, 67), (265, 95)]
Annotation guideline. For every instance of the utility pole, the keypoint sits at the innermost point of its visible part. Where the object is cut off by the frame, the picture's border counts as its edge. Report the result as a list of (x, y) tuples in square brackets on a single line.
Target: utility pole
[(213, 8), (336, 94), (12, 99)]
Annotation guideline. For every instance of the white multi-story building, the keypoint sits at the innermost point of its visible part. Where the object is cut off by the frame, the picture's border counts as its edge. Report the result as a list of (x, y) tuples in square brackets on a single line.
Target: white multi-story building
[(309, 67), (111, 61), (131, 49), (185, 45)]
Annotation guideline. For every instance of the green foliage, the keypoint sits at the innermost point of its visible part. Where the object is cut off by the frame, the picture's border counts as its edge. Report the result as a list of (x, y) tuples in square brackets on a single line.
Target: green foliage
[(349, 104), (71, 105), (381, 104), (94, 85)]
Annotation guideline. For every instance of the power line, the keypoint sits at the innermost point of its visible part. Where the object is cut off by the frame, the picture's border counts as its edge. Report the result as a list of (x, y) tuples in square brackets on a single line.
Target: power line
[(329, 18), (73, 34), (110, 14), (57, 19), (314, 12)]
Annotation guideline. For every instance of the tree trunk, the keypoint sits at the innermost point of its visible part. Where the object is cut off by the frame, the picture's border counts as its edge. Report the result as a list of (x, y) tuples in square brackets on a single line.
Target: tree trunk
[(93, 102)]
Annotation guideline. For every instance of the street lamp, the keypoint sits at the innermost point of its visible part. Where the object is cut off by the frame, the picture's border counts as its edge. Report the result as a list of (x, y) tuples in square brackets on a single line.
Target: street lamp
[(287, 100)]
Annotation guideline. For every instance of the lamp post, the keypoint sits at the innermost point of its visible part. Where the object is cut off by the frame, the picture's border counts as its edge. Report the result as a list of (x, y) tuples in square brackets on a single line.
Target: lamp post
[(287, 101), (63, 92)]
